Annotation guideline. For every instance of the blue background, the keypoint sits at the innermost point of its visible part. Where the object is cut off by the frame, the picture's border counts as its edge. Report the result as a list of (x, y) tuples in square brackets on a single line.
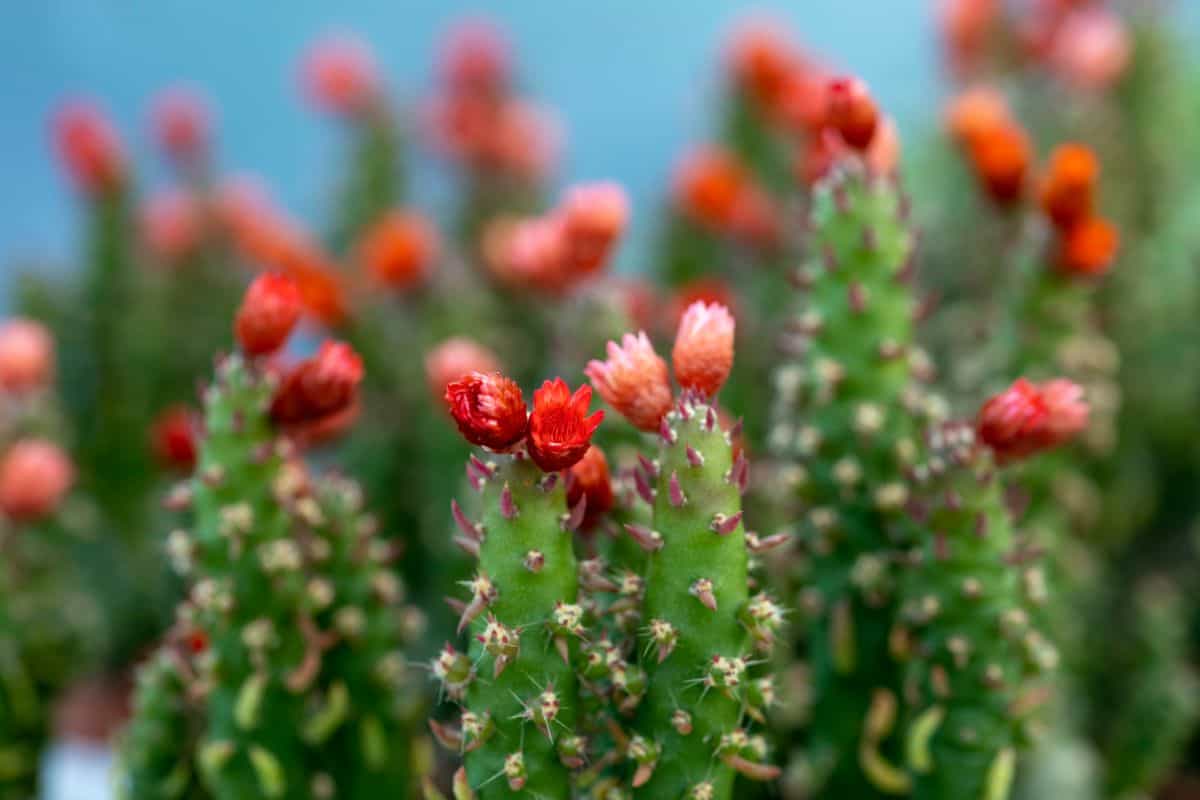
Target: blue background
[(630, 79)]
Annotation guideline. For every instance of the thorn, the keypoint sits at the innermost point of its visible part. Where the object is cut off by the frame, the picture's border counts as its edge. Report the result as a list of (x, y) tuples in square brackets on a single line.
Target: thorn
[(723, 524), (534, 561), (751, 769), (548, 483), (829, 259), (651, 467), (642, 484), (468, 545), (572, 520), (870, 240), (926, 306), (908, 270), (448, 737), (179, 498), (981, 525), (857, 298), (694, 457), (677, 496), (758, 545), (739, 473), (650, 541), (736, 430), (702, 590), (667, 432), (456, 605), (507, 507), (710, 420), (471, 530)]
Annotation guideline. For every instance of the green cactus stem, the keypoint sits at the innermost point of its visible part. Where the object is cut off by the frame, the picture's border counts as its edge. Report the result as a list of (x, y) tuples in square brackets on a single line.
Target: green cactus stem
[(847, 402), (968, 629), (699, 621), (518, 726), (302, 681), (375, 181)]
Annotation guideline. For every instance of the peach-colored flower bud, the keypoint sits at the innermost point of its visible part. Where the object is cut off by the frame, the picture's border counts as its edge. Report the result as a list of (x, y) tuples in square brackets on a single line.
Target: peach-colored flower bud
[(594, 217), (634, 381), (761, 61), (1069, 186), (976, 111), (26, 356), (399, 250), (1092, 48), (703, 352), (455, 358), (34, 476)]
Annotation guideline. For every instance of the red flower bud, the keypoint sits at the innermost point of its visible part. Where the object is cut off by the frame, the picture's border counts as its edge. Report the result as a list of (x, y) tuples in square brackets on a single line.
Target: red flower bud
[(1001, 156), (456, 358), (173, 439), (762, 61), (488, 408), (703, 353), (852, 112), (318, 388), (709, 185), (1069, 186), (399, 250), (1026, 418), (634, 381), (34, 477), (560, 430), (1088, 249), (269, 311), (89, 147), (26, 356), (590, 478)]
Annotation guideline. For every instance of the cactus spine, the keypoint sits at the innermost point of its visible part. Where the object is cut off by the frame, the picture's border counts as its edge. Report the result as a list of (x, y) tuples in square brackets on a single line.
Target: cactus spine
[(845, 418)]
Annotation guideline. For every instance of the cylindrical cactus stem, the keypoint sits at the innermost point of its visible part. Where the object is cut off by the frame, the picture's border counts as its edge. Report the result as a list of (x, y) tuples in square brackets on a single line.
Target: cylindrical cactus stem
[(698, 672), (966, 624), (159, 748), (847, 407), (518, 729)]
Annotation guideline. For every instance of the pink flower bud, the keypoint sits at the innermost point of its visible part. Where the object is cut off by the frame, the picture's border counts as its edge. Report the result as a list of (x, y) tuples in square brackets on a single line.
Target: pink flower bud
[(26, 356), (703, 353), (180, 121), (594, 216), (1092, 48), (1025, 418), (476, 59), (456, 358), (34, 476), (171, 227), (634, 381), (340, 75)]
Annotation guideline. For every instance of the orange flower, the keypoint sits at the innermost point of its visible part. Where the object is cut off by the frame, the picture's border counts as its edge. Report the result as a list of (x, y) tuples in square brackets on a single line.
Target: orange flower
[(1069, 185), (634, 381), (399, 250), (1088, 249), (709, 184), (560, 430), (761, 61), (703, 352), (852, 112), (1001, 157), (975, 112)]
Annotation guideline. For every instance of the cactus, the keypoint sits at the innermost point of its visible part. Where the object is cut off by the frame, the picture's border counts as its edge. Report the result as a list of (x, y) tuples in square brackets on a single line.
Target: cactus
[(700, 624), (302, 684), (518, 729), (845, 408), (967, 622)]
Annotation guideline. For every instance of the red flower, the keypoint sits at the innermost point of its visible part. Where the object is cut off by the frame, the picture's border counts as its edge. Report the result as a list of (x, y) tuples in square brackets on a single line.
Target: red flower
[(634, 381), (1088, 249), (89, 147), (488, 408), (399, 250), (180, 121), (26, 356), (1069, 185), (340, 75), (268, 313), (703, 352), (559, 429), (590, 478), (852, 112), (173, 438), (1025, 418), (319, 388), (34, 477), (455, 358)]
